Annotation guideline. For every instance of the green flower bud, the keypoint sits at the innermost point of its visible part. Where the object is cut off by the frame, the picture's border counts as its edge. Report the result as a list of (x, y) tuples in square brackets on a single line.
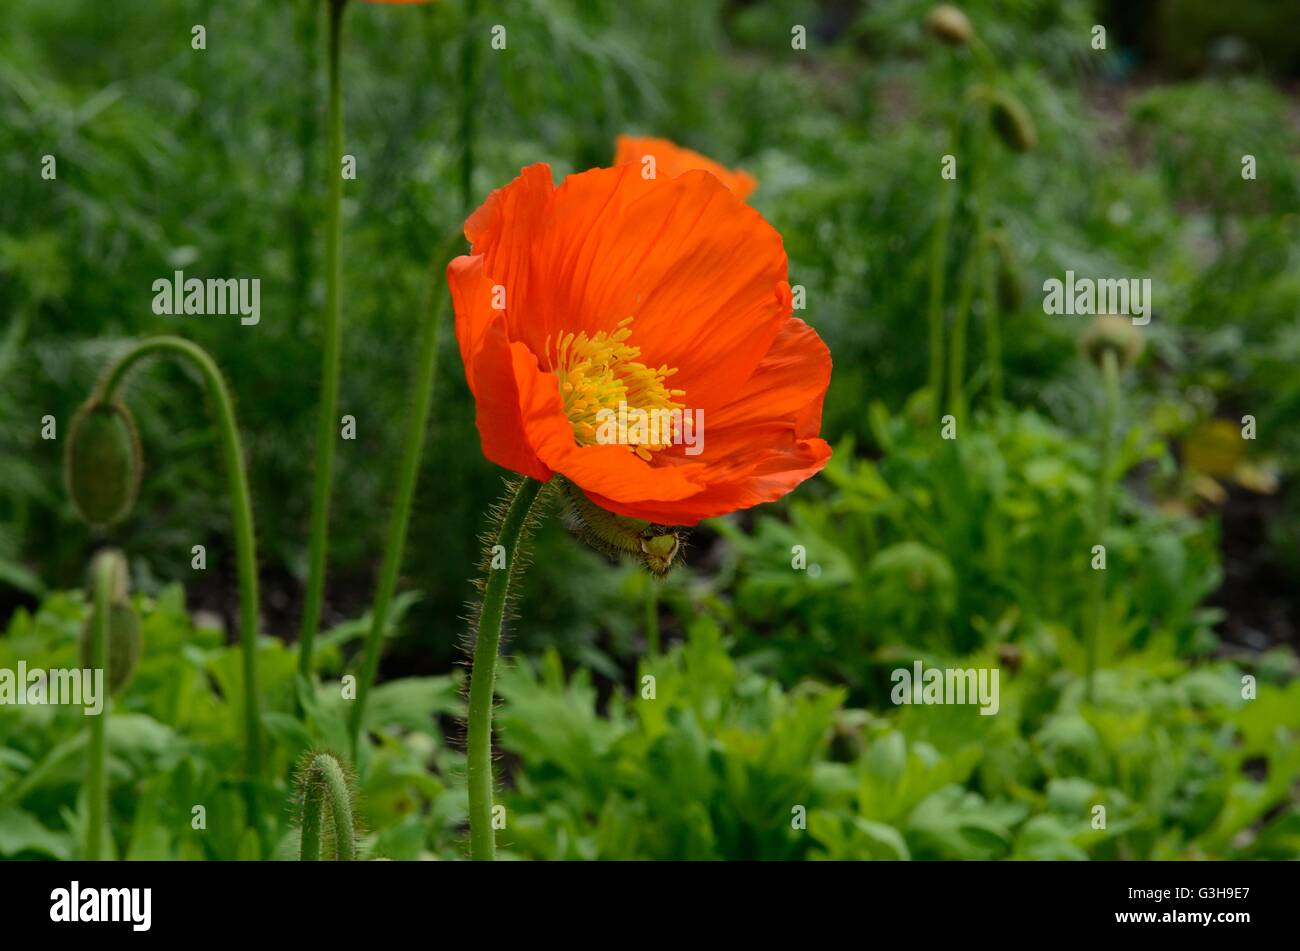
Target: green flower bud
[(1010, 280), (103, 462), (1114, 333), (656, 547), (950, 25), (1012, 123), (659, 552), (125, 643)]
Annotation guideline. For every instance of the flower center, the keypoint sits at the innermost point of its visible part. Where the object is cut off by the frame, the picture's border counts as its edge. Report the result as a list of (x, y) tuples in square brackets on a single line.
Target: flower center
[(601, 374)]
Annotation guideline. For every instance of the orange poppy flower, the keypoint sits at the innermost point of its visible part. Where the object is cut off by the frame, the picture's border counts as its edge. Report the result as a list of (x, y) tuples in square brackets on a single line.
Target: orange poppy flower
[(662, 294), (673, 160)]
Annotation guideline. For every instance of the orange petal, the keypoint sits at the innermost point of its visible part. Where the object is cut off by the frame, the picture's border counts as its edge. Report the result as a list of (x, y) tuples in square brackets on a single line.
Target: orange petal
[(498, 402), (768, 475), (702, 274), (787, 388), (612, 470), (471, 297), (762, 444), (673, 160)]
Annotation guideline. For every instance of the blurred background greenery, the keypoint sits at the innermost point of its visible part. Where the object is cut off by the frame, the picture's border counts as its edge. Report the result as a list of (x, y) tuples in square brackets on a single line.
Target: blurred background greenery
[(776, 690)]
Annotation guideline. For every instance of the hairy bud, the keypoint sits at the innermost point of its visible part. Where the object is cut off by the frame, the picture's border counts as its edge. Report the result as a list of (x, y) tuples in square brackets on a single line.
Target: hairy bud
[(1012, 123), (125, 643), (1117, 334), (103, 462), (657, 547), (1010, 280), (950, 25), (125, 640)]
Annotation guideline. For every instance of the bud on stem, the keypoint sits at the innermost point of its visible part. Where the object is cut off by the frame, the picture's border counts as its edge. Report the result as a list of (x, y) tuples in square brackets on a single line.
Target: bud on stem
[(657, 547), (949, 24), (1012, 123), (103, 462)]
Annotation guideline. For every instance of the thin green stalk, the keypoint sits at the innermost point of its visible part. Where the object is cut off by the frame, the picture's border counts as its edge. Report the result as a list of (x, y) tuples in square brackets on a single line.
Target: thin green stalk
[(324, 783), (652, 615), (957, 356), (325, 430), (305, 209), (969, 278), (426, 375), (993, 359), (939, 248), (469, 53), (96, 782), (241, 510), (992, 326), (482, 682), (1101, 508), (938, 273)]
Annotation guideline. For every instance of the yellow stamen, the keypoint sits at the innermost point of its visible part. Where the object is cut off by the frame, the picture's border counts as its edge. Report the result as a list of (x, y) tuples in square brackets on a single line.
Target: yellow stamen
[(600, 372)]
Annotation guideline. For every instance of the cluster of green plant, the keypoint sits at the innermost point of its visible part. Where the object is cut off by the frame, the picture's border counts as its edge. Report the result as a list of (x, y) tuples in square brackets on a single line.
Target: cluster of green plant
[(774, 695), (731, 744), (706, 757), (157, 172), (950, 546), (175, 743)]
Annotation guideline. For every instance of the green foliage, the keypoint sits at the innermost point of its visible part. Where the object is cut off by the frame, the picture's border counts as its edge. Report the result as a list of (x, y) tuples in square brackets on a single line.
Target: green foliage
[(774, 695), (948, 546), (1199, 146), (705, 761), (175, 740), (712, 759)]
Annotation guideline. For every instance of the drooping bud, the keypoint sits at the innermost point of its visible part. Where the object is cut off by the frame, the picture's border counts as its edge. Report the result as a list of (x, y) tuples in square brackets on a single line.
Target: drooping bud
[(1010, 280), (125, 643), (103, 462), (657, 547), (1113, 333), (950, 25), (659, 552), (1012, 122)]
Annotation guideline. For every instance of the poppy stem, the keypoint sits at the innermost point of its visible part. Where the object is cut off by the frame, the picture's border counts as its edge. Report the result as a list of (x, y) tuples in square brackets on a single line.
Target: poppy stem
[(468, 103), (992, 326), (426, 376), (325, 434), (241, 508), (652, 615), (1101, 509), (104, 571), (938, 272), (957, 358), (501, 571), (970, 277)]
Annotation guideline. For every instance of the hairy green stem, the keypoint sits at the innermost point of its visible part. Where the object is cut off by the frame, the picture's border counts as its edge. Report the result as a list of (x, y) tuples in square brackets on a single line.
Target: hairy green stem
[(325, 784), (408, 472), (104, 572), (1101, 508), (482, 683), (325, 434), (241, 508)]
